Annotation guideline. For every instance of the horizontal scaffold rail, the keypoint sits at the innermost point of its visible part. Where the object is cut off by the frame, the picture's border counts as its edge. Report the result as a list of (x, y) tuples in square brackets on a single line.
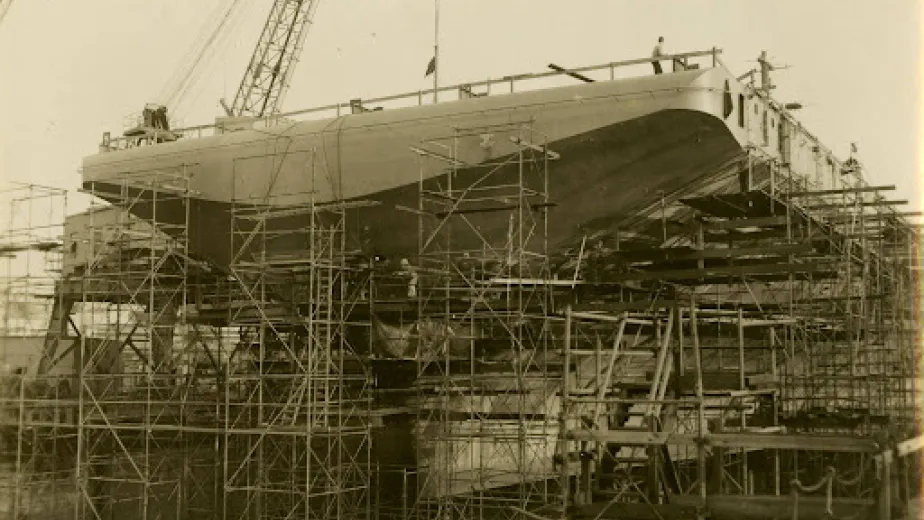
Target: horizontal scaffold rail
[(779, 441)]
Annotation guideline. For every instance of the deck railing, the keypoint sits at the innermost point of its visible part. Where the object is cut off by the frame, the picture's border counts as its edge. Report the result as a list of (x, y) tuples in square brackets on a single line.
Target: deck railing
[(504, 85)]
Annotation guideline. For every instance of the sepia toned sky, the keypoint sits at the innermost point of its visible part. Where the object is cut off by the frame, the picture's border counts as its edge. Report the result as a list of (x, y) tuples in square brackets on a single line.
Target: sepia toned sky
[(72, 70)]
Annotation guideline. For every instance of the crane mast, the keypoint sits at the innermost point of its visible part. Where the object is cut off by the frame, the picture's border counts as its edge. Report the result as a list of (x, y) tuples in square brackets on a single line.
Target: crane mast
[(4, 7), (267, 76)]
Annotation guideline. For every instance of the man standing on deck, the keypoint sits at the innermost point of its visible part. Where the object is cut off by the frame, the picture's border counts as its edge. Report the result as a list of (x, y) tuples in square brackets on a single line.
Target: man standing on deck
[(658, 52)]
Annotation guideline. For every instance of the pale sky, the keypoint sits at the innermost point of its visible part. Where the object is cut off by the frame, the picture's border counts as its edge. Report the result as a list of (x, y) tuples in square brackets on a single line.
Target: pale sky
[(70, 70)]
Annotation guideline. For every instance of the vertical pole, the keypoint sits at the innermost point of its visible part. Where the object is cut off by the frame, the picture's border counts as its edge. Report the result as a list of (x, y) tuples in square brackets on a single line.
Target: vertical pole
[(700, 408), (19, 477), (885, 489), (679, 359), (776, 411), (563, 414), (436, 50), (742, 385)]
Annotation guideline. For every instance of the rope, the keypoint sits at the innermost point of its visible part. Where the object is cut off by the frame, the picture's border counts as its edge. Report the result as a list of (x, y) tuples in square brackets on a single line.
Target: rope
[(827, 482), (864, 464)]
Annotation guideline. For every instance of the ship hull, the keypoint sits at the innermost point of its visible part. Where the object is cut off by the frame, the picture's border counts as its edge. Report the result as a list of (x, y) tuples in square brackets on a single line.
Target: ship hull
[(622, 144), (603, 179)]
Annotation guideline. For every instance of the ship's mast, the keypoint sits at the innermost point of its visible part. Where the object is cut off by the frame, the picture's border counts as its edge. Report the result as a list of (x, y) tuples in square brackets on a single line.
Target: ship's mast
[(765, 68)]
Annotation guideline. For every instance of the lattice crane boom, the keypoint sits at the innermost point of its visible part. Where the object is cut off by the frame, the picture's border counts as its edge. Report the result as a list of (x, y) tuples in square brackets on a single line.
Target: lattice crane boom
[(4, 7), (267, 77)]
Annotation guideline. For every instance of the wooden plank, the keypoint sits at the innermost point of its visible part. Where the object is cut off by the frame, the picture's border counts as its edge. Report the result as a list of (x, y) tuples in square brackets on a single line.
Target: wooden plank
[(848, 205), (778, 441), (491, 209), (746, 222), (794, 442), (574, 75), (597, 317), (742, 270), (616, 307), (683, 253), (837, 217), (764, 234), (867, 189)]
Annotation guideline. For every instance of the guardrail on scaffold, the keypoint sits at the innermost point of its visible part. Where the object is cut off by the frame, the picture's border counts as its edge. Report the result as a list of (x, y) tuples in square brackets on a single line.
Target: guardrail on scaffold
[(513, 83)]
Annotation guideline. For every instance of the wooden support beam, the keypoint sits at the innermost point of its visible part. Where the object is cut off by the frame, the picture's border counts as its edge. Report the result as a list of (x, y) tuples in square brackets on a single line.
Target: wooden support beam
[(740, 270), (683, 253), (868, 189), (837, 217), (764, 234), (617, 307), (778, 221), (574, 75), (491, 209), (597, 317), (779, 441), (848, 205)]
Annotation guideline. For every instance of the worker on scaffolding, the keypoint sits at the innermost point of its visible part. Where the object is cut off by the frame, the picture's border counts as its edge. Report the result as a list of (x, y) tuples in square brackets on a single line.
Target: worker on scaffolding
[(407, 270), (657, 53)]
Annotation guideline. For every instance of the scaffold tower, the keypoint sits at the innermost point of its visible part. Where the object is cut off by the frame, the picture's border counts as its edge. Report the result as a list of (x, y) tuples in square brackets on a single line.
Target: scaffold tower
[(32, 479), (295, 416), (748, 360), (486, 408)]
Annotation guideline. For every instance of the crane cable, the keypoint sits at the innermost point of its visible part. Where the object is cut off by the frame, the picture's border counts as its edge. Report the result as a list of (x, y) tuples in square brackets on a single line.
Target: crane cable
[(197, 50), (219, 49), (186, 74)]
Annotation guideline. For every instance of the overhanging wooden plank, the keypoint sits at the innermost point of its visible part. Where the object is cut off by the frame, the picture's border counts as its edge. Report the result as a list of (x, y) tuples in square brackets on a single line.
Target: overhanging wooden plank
[(909, 446)]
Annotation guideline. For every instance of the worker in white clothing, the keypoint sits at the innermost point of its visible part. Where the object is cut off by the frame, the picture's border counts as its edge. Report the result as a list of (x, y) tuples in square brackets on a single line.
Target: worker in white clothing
[(410, 272), (656, 53)]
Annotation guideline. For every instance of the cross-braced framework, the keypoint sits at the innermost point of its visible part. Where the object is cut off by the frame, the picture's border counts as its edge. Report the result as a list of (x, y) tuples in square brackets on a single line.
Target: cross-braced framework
[(296, 405), (786, 314), (486, 408), (134, 390), (32, 482)]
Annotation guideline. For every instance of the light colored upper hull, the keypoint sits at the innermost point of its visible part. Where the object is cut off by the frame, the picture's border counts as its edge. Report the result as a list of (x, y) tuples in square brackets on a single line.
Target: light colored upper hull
[(622, 143), (367, 153)]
